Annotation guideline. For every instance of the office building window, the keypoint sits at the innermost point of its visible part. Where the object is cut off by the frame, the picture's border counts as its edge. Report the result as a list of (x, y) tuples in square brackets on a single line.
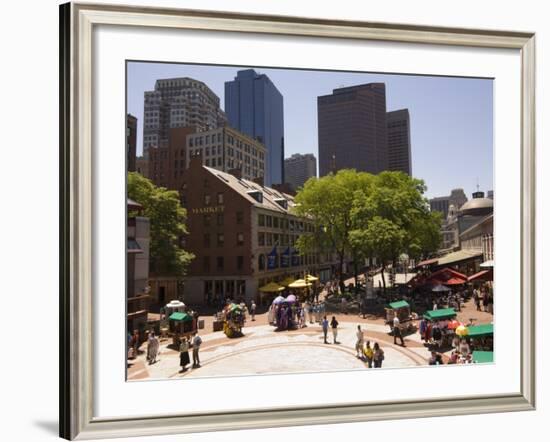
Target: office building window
[(206, 241), (240, 239), (219, 262), (220, 239), (240, 217), (206, 220), (206, 263), (220, 198), (220, 219), (261, 220), (240, 262), (206, 200)]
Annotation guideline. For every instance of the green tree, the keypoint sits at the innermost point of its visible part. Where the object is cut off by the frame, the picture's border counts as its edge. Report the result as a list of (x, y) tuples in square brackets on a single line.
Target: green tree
[(328, 202), (167, 223), (396, 202), (381, 238)]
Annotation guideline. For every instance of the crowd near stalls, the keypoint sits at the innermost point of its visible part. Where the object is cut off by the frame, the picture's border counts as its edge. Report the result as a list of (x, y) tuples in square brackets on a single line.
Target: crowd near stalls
[(290, 314)]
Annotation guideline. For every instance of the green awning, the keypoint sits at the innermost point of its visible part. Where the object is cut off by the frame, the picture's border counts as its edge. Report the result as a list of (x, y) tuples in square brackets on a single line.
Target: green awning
[(444, 313), (180, 316), (482, 357), (399, 304), (480, 331)]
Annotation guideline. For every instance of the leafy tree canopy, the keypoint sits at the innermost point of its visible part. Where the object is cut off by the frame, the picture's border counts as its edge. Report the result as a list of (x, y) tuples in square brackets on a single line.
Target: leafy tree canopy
[(167, 223)]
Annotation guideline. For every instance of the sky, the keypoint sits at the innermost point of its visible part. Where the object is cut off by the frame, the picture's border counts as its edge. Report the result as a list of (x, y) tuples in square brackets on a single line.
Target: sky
[(451, 117)]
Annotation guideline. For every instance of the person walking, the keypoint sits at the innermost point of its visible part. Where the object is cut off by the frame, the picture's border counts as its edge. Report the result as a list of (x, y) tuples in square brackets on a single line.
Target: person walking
[(334, 327), (360, 342), (184, 354), (324, 324), (153, 345), (369, 354), (252, 311), (196, 343), (344, 305), (378, 356), (397, 331)]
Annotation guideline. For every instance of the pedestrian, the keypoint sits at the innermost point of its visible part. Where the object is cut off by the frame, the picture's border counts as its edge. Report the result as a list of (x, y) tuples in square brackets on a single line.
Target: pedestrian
[(344, 305), (324, 324), (135, 343), (334, 326), (369, 354), (360, 342), (397, 331), (253, 310), (477, 300), (378, 356), (435, 359), (437, 335), (310, 313), (153, 345), (464, 348), (196, 343), (422, 328), (485, 301), (184, 354)]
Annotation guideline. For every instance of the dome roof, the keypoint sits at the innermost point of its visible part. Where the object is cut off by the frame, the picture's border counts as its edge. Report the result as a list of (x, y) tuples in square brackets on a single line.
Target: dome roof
[(477, 205)]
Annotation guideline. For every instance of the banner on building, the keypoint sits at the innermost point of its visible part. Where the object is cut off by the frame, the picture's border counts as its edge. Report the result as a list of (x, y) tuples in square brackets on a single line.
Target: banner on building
[(285, 258), (272, 259)]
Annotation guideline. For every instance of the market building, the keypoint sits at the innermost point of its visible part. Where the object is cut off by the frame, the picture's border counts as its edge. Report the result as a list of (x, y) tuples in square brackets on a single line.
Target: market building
[(242, 233)]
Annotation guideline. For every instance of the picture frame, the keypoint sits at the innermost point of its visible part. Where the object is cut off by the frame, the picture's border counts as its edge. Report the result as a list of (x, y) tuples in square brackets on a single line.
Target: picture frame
[(77, 24)]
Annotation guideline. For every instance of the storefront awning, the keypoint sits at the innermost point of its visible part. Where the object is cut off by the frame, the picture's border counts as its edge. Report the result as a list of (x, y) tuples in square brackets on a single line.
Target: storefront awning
[(484, 275), (480, 331), (427, 262), (180, 316), (436, 315), (399, 304), (459, 256), (482, 357)]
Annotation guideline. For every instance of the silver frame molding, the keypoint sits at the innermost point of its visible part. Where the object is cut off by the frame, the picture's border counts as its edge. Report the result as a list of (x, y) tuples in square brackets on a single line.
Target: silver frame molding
[(77, 21)]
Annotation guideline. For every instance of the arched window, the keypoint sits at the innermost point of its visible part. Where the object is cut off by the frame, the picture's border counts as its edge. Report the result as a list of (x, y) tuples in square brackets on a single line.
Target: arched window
[(261, 262)]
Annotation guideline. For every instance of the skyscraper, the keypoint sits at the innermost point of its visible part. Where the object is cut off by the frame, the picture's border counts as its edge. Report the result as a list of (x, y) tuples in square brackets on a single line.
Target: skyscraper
[(254, 106), (299, 168), (352, 127), (178, 102), (131, 137), (399, 141)]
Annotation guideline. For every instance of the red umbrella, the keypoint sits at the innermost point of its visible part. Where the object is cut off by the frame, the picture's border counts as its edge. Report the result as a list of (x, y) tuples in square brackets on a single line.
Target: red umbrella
[(453, 324)]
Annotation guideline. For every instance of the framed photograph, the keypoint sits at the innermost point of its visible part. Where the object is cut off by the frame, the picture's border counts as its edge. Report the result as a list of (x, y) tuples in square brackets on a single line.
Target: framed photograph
[(274, 221)]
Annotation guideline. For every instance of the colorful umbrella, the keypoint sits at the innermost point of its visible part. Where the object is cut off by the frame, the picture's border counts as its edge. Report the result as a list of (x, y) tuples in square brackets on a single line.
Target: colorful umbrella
[(453, 324), (310, 278), (278, 300), (461, 331), (291, 298), (441, 288), (288, 280), (272, 287), (299, 284)]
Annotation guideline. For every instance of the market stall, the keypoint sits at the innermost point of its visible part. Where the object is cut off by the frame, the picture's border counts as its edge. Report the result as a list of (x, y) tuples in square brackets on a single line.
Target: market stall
[(482, 357), (480, 337), (403, 311), (441, 319), (270, 289)]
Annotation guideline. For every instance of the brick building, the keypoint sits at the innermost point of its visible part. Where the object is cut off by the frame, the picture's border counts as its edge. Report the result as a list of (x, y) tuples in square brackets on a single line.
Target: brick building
[(131, 140), (241, 233)]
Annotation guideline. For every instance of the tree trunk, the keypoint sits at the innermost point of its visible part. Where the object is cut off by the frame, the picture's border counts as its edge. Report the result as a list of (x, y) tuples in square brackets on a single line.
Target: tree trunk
[(383, 278), (356, 273), (341, 264)]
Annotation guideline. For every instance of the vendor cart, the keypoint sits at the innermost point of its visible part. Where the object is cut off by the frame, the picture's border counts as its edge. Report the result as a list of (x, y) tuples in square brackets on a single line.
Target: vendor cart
[(234, 319), (403, 311), (480, 337), (442, 317)]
